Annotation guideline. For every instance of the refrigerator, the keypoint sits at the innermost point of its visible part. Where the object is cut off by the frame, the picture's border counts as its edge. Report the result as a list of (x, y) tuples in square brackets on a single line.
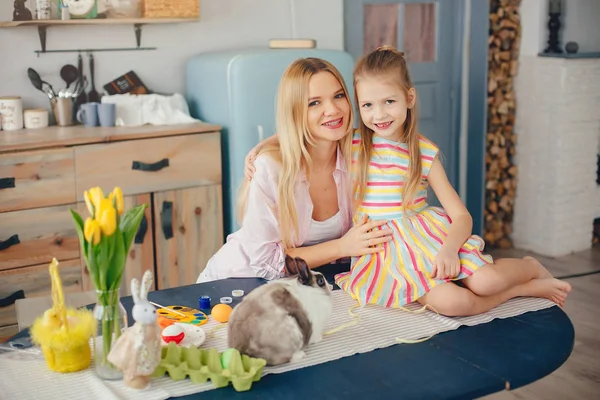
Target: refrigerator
[(237, 90)]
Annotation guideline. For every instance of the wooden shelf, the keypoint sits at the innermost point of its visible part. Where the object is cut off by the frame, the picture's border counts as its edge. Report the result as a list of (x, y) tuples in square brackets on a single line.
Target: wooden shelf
[(97, 21), (137, 23)]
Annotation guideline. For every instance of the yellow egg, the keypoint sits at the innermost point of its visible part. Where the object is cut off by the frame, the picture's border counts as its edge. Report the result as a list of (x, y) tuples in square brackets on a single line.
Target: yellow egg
[(221, 312)]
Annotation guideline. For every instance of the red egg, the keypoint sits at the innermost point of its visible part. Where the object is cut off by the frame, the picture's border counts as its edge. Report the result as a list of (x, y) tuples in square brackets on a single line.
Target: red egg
[(173, 333)]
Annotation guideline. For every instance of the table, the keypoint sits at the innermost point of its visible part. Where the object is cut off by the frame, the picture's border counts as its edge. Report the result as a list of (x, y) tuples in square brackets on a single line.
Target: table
[(462, 364)]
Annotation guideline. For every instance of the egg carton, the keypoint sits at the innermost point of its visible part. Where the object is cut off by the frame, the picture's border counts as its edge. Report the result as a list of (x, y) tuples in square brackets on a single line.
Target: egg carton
[(204, 364)]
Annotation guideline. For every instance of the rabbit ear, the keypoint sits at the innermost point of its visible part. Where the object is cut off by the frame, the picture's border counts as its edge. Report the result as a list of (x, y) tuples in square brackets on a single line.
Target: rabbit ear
[(135, 290), (146, 285)]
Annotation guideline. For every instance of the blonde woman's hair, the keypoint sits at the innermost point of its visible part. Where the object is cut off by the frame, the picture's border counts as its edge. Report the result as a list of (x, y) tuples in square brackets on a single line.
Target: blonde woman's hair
[(387, 62), (294, 140)]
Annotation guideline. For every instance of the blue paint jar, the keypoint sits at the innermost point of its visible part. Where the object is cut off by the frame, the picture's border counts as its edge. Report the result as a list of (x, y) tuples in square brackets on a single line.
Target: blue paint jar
[(204, 304)]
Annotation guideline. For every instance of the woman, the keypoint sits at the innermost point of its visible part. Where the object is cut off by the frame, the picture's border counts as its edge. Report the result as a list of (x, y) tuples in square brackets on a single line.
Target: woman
[(298, 202)]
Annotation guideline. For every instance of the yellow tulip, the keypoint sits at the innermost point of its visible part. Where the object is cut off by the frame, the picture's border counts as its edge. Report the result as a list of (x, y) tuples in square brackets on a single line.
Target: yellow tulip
[(96, 196), (107, 216), (88, 202), (91, 230), (117, 196)]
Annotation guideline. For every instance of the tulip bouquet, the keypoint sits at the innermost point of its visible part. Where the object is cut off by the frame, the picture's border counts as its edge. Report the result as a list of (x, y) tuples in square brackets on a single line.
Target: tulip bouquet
[(105, 238)]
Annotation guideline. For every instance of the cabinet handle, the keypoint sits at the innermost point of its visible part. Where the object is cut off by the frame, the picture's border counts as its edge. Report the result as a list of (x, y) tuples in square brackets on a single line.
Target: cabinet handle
[(11, 241), (7, 183), (166, 219), (139, 236), (11, 299), (157, 166)]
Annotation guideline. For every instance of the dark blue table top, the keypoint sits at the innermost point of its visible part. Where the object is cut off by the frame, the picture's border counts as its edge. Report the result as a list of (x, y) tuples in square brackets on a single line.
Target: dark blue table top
[(466, 363)]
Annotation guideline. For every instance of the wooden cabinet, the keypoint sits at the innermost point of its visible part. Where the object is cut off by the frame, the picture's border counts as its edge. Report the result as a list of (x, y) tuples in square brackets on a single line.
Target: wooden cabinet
[(188, 232), (43, 173)]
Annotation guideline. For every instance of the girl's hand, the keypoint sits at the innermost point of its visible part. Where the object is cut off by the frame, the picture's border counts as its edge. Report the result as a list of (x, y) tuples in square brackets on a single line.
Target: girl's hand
[(249, 168), (446, 264), (363, 238)]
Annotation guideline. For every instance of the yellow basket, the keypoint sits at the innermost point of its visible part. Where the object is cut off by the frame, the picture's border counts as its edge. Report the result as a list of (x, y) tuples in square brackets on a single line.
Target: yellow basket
[(68, 360), (170, 8)]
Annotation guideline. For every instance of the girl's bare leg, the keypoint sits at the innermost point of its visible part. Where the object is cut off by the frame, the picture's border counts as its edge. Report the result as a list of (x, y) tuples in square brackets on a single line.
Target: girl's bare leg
[(455, 301), (504, 274)]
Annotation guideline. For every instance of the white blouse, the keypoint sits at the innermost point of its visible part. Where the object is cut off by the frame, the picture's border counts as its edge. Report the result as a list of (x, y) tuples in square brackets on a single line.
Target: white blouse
[(323, 231)]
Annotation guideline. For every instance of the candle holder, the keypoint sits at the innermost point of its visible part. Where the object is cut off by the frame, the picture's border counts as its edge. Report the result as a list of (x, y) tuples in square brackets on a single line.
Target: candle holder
[(554, 25)]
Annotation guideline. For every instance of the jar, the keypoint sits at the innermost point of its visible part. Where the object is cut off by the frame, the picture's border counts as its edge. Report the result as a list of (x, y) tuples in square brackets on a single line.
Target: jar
[(35, 118), (11, 113), (43, 9)]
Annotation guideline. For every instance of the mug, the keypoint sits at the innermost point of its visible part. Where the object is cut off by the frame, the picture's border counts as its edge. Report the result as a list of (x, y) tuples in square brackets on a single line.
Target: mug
[(88, 114), (107, 114)]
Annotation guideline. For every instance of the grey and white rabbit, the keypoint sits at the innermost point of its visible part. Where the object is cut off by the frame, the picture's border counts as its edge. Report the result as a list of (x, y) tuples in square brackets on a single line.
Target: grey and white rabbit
[(277, 321)]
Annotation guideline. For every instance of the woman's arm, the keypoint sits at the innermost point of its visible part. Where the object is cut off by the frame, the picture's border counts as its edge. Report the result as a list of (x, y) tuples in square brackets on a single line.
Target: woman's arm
[(261, 236), (363, 238), (462, 222)]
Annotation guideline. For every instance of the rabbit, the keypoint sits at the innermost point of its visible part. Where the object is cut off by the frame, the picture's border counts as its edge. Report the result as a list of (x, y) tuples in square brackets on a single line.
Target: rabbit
[(137, 352), (278, 320)]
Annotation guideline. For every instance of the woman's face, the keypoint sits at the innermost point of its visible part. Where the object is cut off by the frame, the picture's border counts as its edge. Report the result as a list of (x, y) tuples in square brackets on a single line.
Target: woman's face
[(328, 107)]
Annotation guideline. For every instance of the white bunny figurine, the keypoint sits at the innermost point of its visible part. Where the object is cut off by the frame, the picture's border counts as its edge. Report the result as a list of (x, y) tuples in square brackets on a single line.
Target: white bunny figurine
[(137, 351)]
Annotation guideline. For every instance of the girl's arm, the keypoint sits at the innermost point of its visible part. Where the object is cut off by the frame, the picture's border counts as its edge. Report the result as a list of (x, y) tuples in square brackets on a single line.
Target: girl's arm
[(249, 168), (462, 222)]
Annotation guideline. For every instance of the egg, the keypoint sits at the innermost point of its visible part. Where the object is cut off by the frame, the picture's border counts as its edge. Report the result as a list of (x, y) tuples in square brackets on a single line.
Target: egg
[(221, 312), (173, 333)]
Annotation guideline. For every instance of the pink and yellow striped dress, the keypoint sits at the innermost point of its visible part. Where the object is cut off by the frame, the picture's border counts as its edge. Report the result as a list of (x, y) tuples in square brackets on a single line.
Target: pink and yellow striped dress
[(401, 274)]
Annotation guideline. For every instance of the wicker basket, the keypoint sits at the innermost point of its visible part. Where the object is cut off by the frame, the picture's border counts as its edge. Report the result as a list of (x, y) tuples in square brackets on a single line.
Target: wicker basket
[(170, 8)]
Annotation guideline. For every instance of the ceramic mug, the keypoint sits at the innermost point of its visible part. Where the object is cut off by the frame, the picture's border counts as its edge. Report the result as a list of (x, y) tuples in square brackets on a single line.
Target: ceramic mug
[(88, 114), (107, 114)]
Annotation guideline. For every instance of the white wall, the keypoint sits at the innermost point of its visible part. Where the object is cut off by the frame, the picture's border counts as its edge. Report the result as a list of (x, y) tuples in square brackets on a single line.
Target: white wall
[(224, 24), (580, 24)]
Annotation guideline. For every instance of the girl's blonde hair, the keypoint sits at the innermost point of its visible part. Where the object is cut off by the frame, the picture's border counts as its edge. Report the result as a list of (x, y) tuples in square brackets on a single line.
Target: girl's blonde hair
[(295, 139), (387, 62)]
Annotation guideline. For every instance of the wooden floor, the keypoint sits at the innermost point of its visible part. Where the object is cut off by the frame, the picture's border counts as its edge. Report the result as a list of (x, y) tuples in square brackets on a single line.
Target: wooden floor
[(579, 376)]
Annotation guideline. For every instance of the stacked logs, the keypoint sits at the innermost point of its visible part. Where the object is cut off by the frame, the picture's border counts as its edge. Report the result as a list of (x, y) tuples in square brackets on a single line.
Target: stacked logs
[(501, 173)]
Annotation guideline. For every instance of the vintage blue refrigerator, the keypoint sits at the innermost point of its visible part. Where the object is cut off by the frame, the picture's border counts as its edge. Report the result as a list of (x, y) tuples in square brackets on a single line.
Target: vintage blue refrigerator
[(237, 89)]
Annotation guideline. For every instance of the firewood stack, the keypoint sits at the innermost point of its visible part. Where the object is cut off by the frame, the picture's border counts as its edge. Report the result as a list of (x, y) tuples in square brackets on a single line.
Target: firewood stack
[(501, 173)]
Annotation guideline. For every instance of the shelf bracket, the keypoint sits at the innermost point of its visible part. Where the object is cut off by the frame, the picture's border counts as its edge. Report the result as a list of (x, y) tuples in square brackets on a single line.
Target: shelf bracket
[(137, 28), (42, 35)]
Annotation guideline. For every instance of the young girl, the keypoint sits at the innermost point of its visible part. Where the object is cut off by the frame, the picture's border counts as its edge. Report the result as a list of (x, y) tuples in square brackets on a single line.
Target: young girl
[(393, 165)]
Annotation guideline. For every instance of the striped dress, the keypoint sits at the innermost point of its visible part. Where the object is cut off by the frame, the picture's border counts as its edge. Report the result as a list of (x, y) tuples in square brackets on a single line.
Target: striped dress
[(401, 274)]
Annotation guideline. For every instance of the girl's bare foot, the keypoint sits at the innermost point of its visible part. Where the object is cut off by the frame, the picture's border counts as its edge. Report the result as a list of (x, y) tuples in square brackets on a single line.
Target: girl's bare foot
[(549, 288), (544, 273)]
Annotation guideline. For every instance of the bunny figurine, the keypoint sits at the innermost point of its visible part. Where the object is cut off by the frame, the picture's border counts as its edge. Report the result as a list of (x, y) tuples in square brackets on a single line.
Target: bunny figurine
[(137, 351)]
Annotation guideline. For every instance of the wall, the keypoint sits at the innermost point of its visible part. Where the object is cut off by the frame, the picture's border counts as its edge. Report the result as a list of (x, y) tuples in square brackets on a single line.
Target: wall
[(555, 96), (224, 24), (580, 24)]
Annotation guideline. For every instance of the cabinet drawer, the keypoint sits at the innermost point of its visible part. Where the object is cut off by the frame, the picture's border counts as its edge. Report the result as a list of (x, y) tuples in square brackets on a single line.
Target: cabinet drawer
[(143, 166), (31, 237), (35, 282), (36, 179)]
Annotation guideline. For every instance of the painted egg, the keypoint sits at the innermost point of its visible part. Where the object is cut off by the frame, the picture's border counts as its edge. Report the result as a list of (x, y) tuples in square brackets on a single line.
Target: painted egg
[(173, 333), (221, 312)]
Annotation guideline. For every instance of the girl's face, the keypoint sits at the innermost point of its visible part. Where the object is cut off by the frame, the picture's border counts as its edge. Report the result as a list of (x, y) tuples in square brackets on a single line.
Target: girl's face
[(328, 108), (383, 106)]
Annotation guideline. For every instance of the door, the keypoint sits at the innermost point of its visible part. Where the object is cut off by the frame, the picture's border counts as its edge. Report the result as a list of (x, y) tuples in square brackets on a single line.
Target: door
[(429, 34), (188, 231)]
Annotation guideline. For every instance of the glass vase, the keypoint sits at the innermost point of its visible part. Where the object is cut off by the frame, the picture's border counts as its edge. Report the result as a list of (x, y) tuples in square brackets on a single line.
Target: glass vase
[(111, 318)]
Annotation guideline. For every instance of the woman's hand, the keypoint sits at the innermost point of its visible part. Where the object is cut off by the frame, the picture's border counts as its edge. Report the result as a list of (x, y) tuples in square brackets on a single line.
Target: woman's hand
[(364, 238), (446, 264)]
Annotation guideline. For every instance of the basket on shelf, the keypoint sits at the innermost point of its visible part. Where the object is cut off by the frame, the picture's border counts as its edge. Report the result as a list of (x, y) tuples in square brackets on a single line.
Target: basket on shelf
[(170, 8)]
